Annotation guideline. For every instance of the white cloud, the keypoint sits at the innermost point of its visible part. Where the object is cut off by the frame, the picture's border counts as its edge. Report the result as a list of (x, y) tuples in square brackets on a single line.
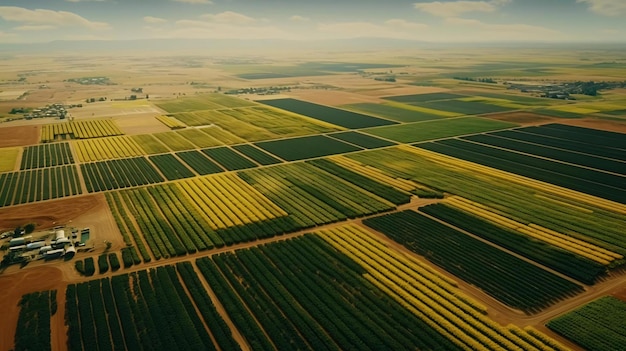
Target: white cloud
[(606, 7), (397, 29), (47, 17), (195, 1), (228, 17), (487, 31), (85, 0), (400, 23), (150, 19), (298, 18), (456, 8), (35, 27)]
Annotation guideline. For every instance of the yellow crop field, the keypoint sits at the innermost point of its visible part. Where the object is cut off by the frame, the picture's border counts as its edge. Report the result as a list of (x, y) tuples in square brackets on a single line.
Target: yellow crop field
[(226, 201), (423, 109), (538, 232), (8, 158), (93, 128), (574, 109), (430, 296), (493, 101), (107, 148), (374, 173), (171, 122)]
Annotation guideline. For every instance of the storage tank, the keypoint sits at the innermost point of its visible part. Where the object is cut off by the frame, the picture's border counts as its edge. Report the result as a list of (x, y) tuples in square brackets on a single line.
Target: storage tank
[(60, 243), (70, 252), (20, 241), (45, 249), (53, 254), (35, 245), (60, 234)]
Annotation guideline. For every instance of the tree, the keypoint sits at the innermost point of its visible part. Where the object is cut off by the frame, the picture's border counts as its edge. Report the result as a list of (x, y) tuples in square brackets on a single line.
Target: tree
[(29, 228)]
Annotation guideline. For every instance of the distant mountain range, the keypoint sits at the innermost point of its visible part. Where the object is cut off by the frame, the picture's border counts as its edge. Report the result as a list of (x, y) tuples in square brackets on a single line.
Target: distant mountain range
[(218, 46)]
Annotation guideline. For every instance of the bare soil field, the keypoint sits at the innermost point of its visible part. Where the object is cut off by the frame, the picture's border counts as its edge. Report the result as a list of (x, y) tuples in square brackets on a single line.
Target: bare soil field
[(13, 284), (46, 214), (523, 118), (19, 135), (612, 126), (141, 123)]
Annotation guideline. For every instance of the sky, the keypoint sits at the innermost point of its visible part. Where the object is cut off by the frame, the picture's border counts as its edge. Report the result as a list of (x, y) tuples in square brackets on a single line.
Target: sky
[(31, 21)]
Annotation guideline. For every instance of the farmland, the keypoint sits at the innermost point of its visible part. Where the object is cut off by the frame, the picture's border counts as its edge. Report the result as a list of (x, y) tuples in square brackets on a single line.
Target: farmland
[(585, 173), (343, 118), (306, 147), (361, 140), (206, 102), (235, 203), (37, 185), (115, 174), (79, 130), (437, 129), (392, 112), (107, 148), (8, 158), (509, 279), (41, 156), (598, 325), (256, 123)]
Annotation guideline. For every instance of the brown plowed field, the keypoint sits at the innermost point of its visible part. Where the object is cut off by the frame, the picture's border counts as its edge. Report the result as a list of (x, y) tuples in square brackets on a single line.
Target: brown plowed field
[(19, 136)]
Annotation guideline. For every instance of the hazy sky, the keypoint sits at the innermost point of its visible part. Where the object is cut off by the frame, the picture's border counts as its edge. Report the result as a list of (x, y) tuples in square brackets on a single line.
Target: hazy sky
[(450, 21)]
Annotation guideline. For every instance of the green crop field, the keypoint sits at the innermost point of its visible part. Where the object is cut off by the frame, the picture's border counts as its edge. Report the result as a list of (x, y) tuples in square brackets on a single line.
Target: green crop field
[(599, 325), (437, 129), (306, 147), (411, 99), (203, 102), (391, 112), (343, 118), (361, 140), (465, 107)]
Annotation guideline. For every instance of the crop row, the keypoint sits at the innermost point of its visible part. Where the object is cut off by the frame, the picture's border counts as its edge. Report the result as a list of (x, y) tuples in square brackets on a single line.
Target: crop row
[(125, 225), (594, 137), (257, 155), (576, 158), (171, 123), (229, 159), (579, 215), (387, 192), (166, 230), (361, 140), (33, 323), (51, 155), (598, 325), (605, 185), (347, 119), (36, 185), (84, 129), (570, 264), (429, 295), (306, 147), (171, 167), (107, 148), (556, 239), (199, 163), (509, 279), (253, 124), (116, 174), (311, 196), (139, 311), (302, 294), (526, 135)]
